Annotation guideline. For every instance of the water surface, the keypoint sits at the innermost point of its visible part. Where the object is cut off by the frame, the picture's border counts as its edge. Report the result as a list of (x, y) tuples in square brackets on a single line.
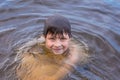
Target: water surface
[(97, 23)]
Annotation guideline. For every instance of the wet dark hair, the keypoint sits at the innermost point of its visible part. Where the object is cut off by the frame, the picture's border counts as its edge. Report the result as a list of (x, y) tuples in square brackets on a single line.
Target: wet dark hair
[(57, 24)]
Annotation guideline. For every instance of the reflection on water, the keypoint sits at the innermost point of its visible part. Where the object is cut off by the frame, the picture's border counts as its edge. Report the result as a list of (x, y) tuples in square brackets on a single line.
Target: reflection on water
[(95, 23)]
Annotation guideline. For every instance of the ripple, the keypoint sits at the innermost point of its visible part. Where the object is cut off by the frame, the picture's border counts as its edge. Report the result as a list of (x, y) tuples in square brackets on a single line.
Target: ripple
[(96, 23)]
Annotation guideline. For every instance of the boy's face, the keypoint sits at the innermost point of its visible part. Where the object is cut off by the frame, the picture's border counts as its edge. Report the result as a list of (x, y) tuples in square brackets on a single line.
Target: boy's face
[(57, 44)]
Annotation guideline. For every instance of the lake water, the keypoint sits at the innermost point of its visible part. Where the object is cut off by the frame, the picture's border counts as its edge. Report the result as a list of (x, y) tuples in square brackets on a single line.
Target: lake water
[(95, 22)]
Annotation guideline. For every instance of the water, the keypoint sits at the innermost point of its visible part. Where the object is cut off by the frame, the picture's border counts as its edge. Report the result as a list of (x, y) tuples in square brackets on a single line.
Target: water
[(94, 22)]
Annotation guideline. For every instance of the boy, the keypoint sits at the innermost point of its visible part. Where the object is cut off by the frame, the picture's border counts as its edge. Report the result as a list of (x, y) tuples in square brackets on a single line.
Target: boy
[(53, 55)]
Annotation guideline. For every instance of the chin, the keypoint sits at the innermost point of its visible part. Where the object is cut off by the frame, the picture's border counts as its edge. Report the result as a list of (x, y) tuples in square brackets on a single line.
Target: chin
[(58, 53)]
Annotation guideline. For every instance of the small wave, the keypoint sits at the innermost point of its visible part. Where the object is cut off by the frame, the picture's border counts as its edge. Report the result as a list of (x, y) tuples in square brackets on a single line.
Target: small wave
[(6, 31)]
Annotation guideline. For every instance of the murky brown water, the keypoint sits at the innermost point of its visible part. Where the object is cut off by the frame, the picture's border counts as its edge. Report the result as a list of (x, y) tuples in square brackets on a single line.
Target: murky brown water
[(96, 23)]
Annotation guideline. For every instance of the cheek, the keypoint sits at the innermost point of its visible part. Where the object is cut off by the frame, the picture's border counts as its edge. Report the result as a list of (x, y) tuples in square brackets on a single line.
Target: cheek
[(66, 45), (48, 43)]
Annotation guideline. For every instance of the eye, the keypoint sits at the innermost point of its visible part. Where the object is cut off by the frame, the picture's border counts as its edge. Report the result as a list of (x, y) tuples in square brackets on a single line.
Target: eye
[(63, 38), (52, 38)]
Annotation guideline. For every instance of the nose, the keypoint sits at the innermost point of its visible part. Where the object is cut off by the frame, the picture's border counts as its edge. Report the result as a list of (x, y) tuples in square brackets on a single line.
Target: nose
[(57, 44)]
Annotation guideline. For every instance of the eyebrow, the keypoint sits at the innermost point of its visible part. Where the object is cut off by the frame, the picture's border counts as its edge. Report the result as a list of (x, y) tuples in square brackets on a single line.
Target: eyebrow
[(58, 36)]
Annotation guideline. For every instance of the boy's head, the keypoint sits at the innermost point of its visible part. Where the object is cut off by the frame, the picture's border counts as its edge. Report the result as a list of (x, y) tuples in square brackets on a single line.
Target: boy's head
[(57, 24), (57, 33)]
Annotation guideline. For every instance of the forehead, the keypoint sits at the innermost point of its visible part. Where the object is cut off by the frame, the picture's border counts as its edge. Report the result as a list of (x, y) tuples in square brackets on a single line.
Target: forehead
[(57, 35)]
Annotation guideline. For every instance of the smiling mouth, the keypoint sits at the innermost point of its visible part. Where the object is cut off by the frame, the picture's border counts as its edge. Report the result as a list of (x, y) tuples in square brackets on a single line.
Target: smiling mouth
[(57, 50)]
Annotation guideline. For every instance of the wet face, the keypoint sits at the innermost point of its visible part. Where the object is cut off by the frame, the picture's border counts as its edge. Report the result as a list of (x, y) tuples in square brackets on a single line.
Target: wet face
[(57, 44)]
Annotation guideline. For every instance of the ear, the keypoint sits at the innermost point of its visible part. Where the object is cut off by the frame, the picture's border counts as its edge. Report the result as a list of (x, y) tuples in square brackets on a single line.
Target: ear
[(70, 38)]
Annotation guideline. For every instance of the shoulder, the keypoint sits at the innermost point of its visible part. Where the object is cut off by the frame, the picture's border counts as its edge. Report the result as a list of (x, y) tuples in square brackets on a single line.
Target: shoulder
[(78, 51), (78, 46)]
